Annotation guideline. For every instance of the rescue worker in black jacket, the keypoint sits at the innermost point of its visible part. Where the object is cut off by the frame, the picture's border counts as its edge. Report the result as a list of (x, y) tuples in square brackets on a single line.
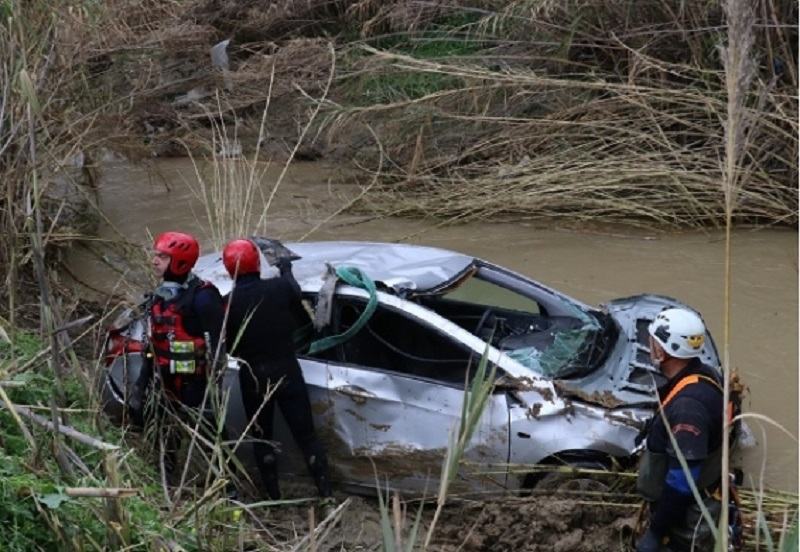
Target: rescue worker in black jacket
[(692, 402), (262, 318), (186, 319)]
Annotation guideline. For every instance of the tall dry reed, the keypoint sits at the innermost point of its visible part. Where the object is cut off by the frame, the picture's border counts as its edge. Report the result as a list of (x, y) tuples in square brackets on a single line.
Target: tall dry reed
[(38, 135), (611, 116), (232, 183), (739, 71)]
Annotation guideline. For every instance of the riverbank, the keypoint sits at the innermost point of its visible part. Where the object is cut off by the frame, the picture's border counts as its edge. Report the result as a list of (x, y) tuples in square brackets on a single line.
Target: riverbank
[(463, 113), (594, 265), (96, 487)]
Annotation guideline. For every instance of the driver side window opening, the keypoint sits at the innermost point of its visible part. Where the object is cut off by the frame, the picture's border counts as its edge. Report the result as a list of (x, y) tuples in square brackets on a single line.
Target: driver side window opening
[(394, 342), (480, 292)]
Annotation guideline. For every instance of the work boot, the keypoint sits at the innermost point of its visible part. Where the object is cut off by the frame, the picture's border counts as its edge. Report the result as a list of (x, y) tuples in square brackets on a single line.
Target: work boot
[(272, 488), (326, 506), (268, 466), (318, 466)]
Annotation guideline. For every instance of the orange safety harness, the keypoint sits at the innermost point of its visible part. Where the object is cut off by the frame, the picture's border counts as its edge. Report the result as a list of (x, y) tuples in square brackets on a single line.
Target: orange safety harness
[(690, 380)]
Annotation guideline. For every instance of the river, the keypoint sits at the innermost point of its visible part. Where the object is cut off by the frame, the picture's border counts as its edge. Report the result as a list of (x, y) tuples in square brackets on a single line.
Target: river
[(593, 265)]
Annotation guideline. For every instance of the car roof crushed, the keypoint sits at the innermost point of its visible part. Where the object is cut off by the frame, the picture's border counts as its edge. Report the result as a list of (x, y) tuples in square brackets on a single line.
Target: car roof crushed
[(400, 268)]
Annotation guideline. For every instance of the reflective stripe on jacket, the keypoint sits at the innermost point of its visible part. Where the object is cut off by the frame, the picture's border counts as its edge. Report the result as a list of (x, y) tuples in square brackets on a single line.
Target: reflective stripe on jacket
[(176, 350)]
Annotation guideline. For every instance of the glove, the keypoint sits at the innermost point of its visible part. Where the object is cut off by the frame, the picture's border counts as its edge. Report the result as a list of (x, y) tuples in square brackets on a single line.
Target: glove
[(284, 265), (650, 542)]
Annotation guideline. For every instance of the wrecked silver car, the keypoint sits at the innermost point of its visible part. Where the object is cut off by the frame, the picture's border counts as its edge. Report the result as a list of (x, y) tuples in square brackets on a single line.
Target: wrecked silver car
[(573, 383)]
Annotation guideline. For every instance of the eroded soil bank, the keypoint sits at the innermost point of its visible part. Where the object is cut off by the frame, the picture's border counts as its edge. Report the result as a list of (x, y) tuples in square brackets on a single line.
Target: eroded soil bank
[(531, 524), (543, 524)]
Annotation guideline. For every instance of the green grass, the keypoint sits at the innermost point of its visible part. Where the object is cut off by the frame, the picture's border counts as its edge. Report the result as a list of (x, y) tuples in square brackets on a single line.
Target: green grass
[(394, 87), (444, 39), (28, 499), (32, 492), (25, 346), (35, 514)]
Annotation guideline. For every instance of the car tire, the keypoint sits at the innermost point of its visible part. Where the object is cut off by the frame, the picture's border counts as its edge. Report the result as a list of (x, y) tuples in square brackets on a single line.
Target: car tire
[(574, 482)]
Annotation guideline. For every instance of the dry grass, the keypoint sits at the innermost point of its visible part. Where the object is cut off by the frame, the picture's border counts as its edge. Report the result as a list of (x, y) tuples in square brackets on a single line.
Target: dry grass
[(614, 114), (46, 160), (42, 135), (233, 188), (602, 118)]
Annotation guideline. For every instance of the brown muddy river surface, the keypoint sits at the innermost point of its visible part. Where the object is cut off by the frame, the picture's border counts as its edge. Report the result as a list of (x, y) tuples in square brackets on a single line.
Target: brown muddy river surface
[(592, 265)]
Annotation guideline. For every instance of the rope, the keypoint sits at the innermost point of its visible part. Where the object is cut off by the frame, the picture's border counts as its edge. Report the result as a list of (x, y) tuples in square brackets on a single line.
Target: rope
[(354, 277)]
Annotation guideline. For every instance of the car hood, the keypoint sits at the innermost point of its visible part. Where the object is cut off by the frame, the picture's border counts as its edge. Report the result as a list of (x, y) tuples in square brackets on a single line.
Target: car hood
[(404, 269), (628, 376)]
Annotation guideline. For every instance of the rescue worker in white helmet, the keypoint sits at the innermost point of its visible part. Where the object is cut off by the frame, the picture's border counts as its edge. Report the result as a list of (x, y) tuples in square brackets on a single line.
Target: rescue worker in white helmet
[(186, 319), (692, 403)]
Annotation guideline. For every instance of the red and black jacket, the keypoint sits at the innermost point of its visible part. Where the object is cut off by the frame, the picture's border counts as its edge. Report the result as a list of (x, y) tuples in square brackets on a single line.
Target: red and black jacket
[(180, 334)]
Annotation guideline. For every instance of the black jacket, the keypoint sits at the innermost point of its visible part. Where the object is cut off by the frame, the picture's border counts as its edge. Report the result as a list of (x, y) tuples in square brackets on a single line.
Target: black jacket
[(274, 310), (694, 414)]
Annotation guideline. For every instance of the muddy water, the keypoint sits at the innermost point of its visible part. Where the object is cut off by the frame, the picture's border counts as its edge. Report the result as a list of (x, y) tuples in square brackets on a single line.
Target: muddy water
[(591, 265)]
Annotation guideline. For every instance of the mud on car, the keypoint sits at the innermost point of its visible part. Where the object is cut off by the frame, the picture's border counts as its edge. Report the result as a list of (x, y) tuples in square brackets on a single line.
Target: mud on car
[(574, 383)]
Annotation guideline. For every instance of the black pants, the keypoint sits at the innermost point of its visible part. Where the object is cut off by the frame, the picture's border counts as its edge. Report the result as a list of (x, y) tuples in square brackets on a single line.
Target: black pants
[(292, 398)]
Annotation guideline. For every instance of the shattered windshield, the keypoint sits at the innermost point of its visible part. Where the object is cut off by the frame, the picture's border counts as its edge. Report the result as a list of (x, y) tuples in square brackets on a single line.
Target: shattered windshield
[(560, 354)]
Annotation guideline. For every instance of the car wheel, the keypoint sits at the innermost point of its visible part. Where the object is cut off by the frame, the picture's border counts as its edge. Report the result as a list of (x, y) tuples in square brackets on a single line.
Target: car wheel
[(572, 482)]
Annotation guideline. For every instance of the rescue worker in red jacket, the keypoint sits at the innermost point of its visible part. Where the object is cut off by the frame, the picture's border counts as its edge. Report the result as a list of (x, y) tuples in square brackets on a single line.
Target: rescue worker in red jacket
[(692, 402), (262, 318), (186, 319)]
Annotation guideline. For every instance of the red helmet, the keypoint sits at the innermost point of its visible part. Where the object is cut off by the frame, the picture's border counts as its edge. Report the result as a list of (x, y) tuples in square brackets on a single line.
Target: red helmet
[(182, 249), (241, 252)]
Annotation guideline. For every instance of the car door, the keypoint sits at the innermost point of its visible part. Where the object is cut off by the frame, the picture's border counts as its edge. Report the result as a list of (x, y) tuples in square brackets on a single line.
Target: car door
[(395, 393)]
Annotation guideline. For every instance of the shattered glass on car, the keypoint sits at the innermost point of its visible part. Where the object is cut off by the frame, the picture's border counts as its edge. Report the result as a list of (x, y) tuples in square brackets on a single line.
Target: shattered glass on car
[(556, 359)]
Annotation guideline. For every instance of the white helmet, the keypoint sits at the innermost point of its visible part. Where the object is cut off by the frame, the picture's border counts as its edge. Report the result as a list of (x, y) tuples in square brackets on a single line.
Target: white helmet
[(680, 332)]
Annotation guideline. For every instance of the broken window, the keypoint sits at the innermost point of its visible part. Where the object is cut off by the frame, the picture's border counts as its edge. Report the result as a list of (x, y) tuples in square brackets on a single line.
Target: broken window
[(488, 310), (553, 346), (481, 292), (395, 342)]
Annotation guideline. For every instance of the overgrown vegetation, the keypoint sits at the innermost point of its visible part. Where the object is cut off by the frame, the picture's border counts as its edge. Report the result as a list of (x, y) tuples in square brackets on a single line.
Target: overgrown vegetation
[(41, 487), (68, 480), (505, 110), (585, 111)]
